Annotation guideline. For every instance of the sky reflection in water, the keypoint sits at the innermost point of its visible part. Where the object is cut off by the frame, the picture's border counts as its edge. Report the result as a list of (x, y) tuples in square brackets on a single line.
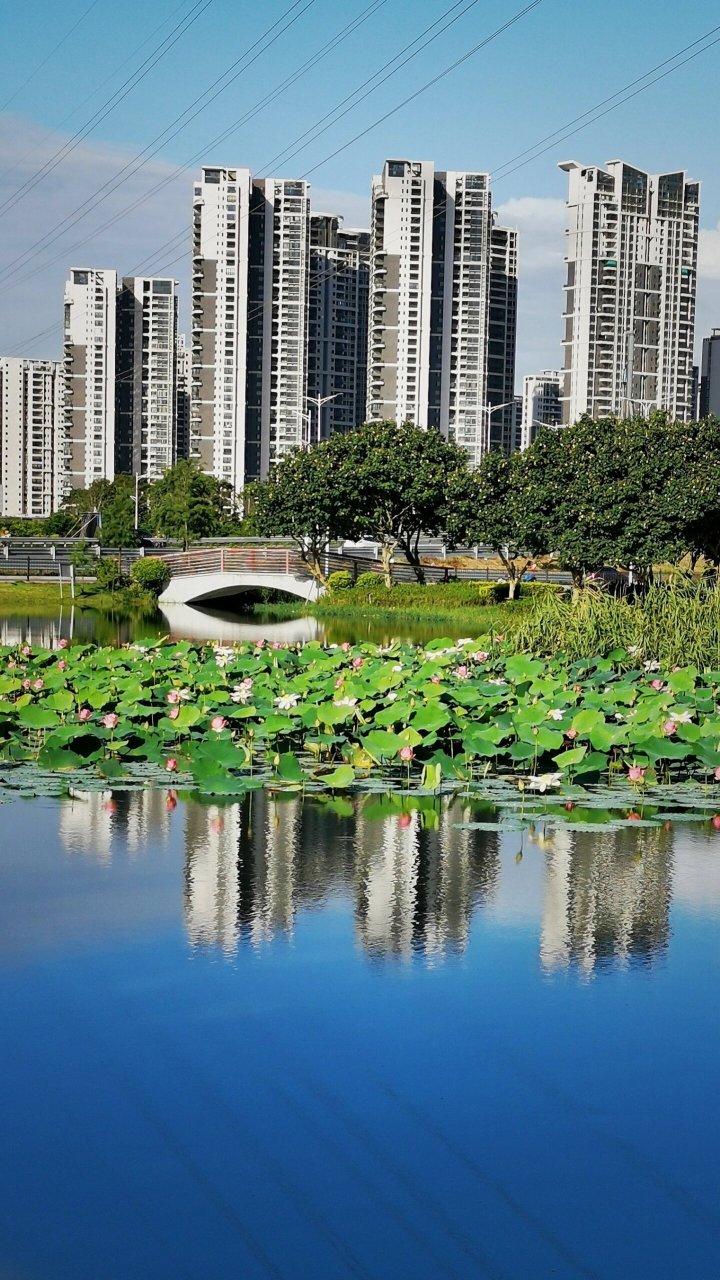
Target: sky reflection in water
[(270, 1039)]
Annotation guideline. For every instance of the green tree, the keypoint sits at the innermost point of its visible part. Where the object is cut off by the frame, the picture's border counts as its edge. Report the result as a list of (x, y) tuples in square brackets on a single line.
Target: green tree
[(305, 499), (613, 491), (114, 500), (393, 482), (488, 506), (185, 503)]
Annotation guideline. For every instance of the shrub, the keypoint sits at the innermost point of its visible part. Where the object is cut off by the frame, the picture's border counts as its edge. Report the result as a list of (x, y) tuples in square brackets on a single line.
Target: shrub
[(150, 574), (541, 589), (342, 580), (492, 592), (109, 574), (370, 582)]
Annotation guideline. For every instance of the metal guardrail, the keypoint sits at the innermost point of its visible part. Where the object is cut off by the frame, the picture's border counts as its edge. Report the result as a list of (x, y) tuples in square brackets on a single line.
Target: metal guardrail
[(284, 560)]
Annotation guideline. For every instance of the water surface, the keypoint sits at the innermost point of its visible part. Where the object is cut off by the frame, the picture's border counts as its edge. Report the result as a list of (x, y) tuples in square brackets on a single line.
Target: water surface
[(318, 1039)]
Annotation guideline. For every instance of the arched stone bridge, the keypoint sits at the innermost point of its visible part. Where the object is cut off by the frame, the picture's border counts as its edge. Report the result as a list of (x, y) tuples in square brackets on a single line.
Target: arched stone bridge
[(214, 572)]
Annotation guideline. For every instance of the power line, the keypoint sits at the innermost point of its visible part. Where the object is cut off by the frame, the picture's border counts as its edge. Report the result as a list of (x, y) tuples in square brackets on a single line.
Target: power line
[(588, 117), (439, 22), (598, 114), (107, 107), (89, 96), (429, 84), (181, 121), (4, 105), (323, 52), (288, 152)]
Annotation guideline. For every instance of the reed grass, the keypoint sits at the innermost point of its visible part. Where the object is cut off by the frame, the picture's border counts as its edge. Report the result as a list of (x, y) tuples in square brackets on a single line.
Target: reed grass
[(675, 625)]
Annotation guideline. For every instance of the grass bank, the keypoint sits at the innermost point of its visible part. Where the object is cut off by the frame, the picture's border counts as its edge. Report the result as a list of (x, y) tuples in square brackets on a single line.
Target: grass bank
[(44, 599), (471, 607)]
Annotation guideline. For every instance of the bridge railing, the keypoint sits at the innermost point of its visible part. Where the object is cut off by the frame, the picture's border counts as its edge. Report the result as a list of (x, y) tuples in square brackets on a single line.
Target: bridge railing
[(273, 560)]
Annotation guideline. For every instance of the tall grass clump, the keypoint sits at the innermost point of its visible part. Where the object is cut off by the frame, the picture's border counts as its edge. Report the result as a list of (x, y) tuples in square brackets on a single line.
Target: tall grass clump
[(674, 625)]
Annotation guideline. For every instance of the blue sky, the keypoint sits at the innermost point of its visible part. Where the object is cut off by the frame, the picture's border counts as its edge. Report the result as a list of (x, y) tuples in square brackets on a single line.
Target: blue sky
[(554, 64)]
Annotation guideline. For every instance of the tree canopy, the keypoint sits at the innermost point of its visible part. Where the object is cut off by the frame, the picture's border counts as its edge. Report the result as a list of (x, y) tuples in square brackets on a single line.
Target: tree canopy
[(186, 503)]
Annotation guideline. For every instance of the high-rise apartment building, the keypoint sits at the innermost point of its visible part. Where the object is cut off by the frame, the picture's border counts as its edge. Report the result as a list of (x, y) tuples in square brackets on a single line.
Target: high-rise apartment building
[(33, 470), (502, 340), (89, 374), (337, 326), (630, 291), (541, 404), (251, 255), (277, 321), (221, 204), (443, 298), (147, 312), (710, 376), (183, 364)]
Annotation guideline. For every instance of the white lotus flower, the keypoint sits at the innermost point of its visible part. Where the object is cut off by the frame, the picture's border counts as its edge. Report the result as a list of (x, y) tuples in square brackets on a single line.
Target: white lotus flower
[(287, 701), (651, 666), (345, 702), (242, 693), (682, 717), (544, 781), (555, 714), (391, 697)]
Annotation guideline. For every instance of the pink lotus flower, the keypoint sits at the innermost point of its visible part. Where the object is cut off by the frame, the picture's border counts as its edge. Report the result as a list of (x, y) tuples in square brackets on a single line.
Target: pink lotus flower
[(174, 696), (407, 754), (571, 734), (717, 774), (84, 714), (635, 773), (669, 728), (657, 685), (63, 644), (462, 672), (357, 663), (38, 684), (62, 665), (345, 646), (435, 679), (171, 765), (218, 723), (276, 644), (481, 656), (173, 713), (26, 651), (110, 720), (339, 682), (26, 684), (12, 664)]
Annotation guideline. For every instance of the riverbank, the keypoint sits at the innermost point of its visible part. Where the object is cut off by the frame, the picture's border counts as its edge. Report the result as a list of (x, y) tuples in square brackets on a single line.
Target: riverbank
[(45, 599)]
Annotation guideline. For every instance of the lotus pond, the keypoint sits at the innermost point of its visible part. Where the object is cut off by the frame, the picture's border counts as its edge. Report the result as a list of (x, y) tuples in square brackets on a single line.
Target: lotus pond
[(308, 716)]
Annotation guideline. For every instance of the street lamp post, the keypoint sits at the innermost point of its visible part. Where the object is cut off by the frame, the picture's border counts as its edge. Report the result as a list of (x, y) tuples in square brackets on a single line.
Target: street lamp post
[(489, 410), (318, 402)]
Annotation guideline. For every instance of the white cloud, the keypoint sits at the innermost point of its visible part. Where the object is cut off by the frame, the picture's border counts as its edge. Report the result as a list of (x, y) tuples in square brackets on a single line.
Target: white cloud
[(709, 253), (354, 209), (32, 297)]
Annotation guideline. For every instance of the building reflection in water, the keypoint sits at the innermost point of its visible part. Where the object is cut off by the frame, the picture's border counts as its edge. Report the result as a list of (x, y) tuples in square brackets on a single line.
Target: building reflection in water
[(415, 878), (99, 823), (607, 896)]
